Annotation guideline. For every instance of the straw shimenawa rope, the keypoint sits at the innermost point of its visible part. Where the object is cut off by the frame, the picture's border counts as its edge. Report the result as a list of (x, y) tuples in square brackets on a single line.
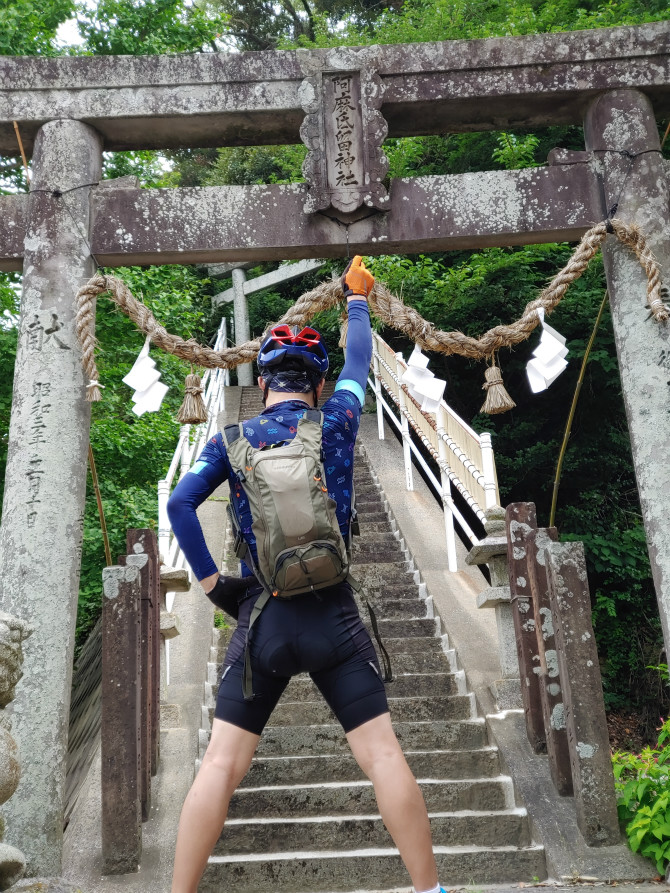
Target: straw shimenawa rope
[(383, 304)]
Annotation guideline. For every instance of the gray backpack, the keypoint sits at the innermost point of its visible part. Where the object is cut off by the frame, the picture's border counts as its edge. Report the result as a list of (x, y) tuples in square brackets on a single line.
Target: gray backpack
[(298, 541), (299, 545)]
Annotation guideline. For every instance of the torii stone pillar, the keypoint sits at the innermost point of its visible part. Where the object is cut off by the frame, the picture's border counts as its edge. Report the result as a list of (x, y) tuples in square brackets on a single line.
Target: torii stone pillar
[(621, 133), (242, 333), (42, 515)]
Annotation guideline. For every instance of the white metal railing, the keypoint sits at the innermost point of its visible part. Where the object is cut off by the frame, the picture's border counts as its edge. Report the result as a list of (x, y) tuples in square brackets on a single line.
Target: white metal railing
[(192, 438), (464, 458)]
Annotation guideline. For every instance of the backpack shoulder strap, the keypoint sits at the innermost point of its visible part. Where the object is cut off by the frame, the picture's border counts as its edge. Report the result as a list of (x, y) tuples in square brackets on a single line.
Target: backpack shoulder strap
[(314, 415), (231, 433)]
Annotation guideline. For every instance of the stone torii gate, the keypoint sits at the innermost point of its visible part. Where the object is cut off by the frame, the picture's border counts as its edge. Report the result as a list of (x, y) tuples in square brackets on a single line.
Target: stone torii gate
[(342, 103)]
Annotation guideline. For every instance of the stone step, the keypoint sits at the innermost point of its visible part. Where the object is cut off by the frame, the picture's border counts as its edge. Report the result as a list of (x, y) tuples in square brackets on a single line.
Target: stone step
[(416, 645), (329, 739), (371, 552), (372, 527), (446, 764), (370, 503), (395, 629), (373, 578), (483, 829), (378, 516), (397, 609), (370, 869), (358, 798), (371, 540), (405, 685), (416, 655), (406, 588), (452, 707)]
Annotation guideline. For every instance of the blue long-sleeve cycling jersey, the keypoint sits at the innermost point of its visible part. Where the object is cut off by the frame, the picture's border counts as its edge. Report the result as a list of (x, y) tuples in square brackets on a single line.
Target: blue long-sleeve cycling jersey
[(276, 424)]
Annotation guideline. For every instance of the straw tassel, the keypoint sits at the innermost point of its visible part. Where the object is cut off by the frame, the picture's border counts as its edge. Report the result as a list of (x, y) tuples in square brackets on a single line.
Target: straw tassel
[(497, 398), (93, 394), (192, 411)]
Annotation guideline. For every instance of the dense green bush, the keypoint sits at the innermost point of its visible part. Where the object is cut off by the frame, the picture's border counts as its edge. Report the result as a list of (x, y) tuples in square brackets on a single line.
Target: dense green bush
[(642, 783)]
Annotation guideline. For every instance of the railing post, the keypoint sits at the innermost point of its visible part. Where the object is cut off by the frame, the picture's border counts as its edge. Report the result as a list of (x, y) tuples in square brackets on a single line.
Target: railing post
[(520, 522), (492, 550), (551, 692), (404, 426), (447, 501), (143, 553), (120, 729), (585, 719), (378, 395), (163, 520), (488, 470), (185, 460)]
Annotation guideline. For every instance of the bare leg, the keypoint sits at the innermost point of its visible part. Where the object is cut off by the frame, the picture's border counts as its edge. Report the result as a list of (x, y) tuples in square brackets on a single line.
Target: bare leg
[(204, 812), (400, 801)]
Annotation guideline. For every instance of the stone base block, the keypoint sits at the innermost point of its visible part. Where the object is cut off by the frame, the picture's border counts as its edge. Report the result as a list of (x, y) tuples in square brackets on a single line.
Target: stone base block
[(170, 716), (507, 694)]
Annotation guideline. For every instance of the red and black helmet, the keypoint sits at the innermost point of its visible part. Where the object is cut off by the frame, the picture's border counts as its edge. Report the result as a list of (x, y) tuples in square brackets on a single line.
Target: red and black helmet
[(285, 348)]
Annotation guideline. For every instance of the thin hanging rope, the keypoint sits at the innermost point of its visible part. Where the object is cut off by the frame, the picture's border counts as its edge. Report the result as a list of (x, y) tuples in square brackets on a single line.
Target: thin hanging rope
[(101, 511), (383, 304), (573, 407), (22, 151)]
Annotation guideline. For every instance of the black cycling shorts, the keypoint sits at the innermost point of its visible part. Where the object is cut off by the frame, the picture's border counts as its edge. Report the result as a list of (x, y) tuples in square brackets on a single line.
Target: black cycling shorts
[(321, 634)]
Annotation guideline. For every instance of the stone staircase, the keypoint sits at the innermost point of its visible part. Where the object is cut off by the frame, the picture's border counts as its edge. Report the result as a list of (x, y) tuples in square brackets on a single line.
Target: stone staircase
[(305, 817)]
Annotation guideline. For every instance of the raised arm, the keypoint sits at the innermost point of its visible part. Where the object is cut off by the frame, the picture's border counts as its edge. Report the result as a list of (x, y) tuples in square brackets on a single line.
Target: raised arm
[(357, 284)]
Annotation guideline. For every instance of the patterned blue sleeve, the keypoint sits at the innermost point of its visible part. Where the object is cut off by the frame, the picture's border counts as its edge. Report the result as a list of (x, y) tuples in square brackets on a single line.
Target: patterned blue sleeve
[(210, 470), (354, 375)]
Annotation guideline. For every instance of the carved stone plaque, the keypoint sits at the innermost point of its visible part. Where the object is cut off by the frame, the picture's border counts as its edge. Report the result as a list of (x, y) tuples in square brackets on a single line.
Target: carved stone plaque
[(344, 132)]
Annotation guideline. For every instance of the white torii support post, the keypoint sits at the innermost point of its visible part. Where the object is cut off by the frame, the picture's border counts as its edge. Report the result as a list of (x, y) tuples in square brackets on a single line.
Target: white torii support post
[(242, 287), (242, 333)]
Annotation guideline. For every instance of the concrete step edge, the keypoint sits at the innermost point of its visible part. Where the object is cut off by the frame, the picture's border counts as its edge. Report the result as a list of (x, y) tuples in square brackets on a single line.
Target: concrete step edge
[(364, 783), (363, 853), (517, 811)]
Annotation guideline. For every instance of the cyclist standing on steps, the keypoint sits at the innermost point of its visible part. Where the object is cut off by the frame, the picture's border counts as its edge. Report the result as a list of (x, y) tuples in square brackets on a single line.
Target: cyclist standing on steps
[(331, 642)]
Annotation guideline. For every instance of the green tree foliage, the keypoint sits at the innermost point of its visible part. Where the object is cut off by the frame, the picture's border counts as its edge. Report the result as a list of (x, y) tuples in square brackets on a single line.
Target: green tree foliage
[(28, 27), (130, 27)]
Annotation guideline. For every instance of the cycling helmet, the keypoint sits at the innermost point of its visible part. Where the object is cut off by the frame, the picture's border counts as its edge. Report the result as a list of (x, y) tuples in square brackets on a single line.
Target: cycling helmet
[(292, 361), (287, 349)]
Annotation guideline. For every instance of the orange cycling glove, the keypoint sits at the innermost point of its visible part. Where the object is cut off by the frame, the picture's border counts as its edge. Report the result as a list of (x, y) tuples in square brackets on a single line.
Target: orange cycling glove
[(356, 280)]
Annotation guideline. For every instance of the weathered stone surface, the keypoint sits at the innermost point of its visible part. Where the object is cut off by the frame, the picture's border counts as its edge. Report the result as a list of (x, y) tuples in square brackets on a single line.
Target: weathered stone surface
[(199, 225), (10, 770), (588, 739), (45, 484), (45, 885), (13, 632), (521, 520), (14, 209), (623, 122), (492, 550), (344, 130), (174, 579), (170, 625), (215, 99), (12, 866), (551, 693), (121, 728)]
